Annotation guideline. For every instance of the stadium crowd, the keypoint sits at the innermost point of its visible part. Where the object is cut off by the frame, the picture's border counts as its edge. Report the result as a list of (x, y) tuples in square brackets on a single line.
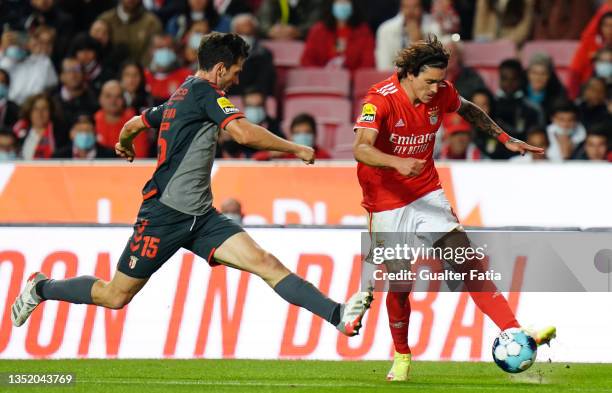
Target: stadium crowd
[(73, 71)]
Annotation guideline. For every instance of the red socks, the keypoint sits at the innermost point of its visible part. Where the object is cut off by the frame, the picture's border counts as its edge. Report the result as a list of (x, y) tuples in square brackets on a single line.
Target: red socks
[(496, 307), (398, 309)]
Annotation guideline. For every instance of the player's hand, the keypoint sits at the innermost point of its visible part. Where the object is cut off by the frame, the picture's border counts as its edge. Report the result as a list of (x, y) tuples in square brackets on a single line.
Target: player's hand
[(306, 154), (519, 146), (410, 166), (127, 153)]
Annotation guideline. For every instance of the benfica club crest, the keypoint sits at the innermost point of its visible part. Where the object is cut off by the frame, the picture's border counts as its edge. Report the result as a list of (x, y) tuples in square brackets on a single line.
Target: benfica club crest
[(432, 113)]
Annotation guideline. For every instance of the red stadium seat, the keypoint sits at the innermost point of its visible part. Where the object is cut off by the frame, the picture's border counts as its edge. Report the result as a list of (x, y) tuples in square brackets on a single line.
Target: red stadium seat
[(326, 110), (270, 104), (286, 53), (561, 52), (488, 54), (363, 79), (319, 81)]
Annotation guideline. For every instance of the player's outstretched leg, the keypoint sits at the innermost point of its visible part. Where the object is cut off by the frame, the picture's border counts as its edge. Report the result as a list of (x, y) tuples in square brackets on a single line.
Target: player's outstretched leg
[(242, 252), (486, 295), (79, 290)]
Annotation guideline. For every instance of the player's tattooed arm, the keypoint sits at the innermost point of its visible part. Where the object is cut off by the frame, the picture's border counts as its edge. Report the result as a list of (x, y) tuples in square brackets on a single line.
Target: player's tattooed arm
[(479, 119)]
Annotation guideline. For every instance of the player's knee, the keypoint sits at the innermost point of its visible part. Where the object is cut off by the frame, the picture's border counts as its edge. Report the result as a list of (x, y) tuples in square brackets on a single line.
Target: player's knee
[(264, 261), (119, 300)]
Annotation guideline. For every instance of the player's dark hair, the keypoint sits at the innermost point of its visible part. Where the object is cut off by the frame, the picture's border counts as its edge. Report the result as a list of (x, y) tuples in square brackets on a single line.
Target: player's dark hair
[(226, 48), (304, 118), (429, 53)]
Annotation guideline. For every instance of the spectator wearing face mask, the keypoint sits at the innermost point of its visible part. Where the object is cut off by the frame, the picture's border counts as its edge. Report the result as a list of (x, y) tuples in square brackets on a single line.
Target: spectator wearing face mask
[(8, 145), (164, 74), (30, 69), (602, 64), (592, 106), (232, 209), (254, 108), (258, 71), (191, 43), (458, 144), (342, 40), (9, 111), (565, 132), (83, 144), (304, 132)]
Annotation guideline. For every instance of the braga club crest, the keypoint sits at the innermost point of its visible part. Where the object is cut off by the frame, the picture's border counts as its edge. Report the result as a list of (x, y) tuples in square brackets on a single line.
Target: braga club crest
[(432, 113)]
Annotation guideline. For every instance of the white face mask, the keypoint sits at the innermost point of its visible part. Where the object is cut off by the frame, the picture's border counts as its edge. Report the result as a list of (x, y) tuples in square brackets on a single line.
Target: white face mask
[(603, 69)]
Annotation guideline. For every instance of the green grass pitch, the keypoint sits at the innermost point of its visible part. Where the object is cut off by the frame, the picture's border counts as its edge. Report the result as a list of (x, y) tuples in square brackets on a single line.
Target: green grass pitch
[(150, 376)]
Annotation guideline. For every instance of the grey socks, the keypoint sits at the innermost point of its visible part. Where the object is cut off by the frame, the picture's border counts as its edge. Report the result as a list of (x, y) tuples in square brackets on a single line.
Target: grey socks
[(300, 292), (73, 290)]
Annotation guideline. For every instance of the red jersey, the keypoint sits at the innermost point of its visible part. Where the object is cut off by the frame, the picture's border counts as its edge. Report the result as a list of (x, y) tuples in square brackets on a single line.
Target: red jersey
[(404, 130)]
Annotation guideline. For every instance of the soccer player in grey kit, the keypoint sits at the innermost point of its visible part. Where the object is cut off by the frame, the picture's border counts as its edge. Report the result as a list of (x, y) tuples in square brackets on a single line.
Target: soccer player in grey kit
[(177, 201)]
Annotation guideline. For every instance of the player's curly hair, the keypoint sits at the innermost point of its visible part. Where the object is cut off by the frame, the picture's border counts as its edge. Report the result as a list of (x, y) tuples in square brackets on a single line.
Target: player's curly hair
[(419, 55), (227, 48)]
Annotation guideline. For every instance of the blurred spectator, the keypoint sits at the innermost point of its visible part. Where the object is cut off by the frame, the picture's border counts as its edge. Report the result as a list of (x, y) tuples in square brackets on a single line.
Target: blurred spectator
[(8, 145), (458, 144), (83, 145), (304, 132), (87, 51), (603, 64), (192, 40), (535, 137), (514, 113), (30, 74), (110, 54), (488, 145), (503, 19), (466, 10), (288, 19), (258, 71), (565, 132), (592, 106), (164, 74), (232, 7), (376, 12), (198, 10), (445, 14), (597, 143), (73, 97), (133, 26), (341, 40), (254, 102), (47, 13), (85, 12), (39, 138), (132, 82), (543, 85), (9, 111), (232, 209), (596, 36), (411, 24), (112, 116), (465, 79), (165, 9), (561, 19)]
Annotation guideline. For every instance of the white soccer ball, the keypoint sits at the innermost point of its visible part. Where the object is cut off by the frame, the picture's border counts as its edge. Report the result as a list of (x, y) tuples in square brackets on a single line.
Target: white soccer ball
[(514, 350)]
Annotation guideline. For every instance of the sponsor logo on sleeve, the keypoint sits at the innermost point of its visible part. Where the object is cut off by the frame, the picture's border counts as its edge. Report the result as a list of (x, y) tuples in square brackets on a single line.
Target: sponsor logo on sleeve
[(226, 106), (368, 113)]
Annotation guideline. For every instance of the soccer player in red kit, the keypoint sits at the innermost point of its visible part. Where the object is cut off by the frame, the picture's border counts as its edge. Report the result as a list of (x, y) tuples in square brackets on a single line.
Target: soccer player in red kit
[(395, 137)]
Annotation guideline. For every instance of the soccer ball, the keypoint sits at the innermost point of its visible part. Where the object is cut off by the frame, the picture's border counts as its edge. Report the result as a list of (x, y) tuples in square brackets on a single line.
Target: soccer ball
[(514, 350)]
